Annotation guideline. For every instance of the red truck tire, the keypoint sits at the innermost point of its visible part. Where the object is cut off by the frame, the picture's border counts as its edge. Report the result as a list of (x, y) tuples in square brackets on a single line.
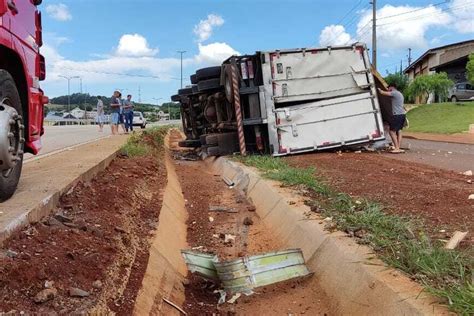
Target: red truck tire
[(9, 96)]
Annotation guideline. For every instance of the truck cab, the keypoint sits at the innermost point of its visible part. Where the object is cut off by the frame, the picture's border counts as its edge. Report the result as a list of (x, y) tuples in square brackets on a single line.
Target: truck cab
[(22, 67)]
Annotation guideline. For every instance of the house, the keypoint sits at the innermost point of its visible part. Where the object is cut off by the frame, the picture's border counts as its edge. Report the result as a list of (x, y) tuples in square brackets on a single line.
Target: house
[(451, 59), (78, 113)]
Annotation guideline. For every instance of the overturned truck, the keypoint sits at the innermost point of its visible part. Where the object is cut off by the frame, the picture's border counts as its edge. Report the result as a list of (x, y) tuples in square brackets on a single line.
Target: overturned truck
[(283, 102)]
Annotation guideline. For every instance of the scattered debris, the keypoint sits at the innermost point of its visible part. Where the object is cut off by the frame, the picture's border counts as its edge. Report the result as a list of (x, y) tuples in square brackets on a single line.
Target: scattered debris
[(174, 305), (248, 221), (211, 219), (234, 298), (48, 284), (471, 197), (239, 275), (75, 292), (454, 242), (219, 208), (251, 208), (227, 181), (468, 173), (229, 238), (63, 218), (45, 295), (97, 284), (120, 230), (9, 254)]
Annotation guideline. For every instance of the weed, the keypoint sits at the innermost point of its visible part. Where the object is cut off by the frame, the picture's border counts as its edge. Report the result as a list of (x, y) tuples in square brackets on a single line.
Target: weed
[(399, 241)]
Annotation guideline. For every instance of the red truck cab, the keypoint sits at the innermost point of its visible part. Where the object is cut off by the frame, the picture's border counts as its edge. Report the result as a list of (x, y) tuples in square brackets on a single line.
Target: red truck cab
[(22, 67)]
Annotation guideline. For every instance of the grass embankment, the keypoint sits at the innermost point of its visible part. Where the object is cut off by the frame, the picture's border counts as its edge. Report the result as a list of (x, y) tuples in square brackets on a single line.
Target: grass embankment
[(144, 143), (399, 241), (441, 118)]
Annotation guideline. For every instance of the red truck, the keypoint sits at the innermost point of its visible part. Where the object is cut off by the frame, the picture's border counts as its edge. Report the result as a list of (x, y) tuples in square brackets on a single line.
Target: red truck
[(22, 67)]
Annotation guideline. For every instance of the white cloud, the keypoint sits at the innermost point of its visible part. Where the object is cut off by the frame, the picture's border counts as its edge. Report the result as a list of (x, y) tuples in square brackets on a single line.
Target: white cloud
[(400, 28), (214, 53), (59, 12), (134, 45), (204, 29), (463, 16), (334, 35)]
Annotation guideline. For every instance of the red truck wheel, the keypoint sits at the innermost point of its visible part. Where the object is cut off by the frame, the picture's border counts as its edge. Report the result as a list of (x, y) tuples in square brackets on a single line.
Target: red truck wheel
[(11, 136)]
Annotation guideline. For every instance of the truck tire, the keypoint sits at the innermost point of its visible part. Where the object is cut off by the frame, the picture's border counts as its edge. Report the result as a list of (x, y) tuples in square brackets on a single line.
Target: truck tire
[(189, 143), (210, 84), (193, 79), (213, 151), (208, 73), (9, 179), (212, 140), (176, 98), (185, 91), (454, 99), (195, 89), (228, 143)]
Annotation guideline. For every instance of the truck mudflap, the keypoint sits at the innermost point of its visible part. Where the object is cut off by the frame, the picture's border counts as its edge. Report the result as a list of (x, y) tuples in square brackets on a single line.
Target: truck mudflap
[(336, 122)]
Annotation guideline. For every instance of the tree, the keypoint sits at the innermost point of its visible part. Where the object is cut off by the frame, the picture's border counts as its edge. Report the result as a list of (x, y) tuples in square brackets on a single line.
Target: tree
[(425, 85), (399, 79), (470, 69)]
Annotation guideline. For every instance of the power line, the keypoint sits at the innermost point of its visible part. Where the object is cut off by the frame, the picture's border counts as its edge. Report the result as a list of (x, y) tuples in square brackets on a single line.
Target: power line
[(349, 12), (117, 73), (408, 12)]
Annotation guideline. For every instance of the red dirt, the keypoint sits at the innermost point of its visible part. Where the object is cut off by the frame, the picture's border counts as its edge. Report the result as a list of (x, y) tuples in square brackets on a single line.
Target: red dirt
[(202, 188), (112, 217), (438, 196)]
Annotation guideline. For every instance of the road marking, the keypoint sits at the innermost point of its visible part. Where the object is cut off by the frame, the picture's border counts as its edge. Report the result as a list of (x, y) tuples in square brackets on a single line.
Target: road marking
[(64, 149)]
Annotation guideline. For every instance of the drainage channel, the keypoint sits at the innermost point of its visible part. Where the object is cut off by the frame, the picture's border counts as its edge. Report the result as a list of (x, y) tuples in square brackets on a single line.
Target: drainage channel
[(222, 221)]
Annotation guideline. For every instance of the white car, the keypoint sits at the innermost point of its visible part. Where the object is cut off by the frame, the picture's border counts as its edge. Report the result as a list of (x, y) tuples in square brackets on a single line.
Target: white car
[(139, 119)]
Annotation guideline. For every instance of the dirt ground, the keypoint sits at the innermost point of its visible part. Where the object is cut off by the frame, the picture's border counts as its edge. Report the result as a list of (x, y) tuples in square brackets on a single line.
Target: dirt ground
[(202, 188), (97, 242), (438, 196)]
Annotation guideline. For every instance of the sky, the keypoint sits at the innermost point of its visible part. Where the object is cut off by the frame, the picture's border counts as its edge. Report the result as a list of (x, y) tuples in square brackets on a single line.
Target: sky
[(133, 45)]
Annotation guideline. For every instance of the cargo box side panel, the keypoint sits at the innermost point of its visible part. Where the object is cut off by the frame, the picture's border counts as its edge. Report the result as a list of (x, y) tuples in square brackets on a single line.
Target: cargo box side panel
[(329, 123)]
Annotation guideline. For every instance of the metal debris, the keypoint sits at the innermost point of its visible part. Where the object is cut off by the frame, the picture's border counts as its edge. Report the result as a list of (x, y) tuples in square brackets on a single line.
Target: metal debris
[(244, 274), (219, 208), (228, 181)]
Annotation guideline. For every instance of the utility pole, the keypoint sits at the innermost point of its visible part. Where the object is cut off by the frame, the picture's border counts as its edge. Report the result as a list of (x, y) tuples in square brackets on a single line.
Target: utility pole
[(409, 57), (139, 94), (374, 33), (181, 52)]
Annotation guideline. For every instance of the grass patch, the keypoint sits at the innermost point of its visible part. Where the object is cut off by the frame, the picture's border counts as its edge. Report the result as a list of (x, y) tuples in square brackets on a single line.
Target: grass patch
[(441, 118), (144, 143), (399, 241)]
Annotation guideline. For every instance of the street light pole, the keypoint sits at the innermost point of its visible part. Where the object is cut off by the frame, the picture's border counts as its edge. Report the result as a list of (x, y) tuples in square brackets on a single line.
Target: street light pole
[(181, 52), (69, 89)]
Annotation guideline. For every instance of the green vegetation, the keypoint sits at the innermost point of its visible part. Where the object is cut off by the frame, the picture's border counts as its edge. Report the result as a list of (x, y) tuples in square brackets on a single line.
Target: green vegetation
[(144, 143), (399, 241), (442, 118), (470, 69), (399, 79), (424, 85)]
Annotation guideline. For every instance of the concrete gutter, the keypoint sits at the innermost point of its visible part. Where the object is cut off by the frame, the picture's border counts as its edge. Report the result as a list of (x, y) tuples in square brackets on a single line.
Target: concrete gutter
[(346, 271), (45, 180)]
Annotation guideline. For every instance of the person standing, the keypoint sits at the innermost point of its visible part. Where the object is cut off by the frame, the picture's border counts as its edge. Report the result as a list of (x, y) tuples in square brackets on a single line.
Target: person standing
[(121, 114), (115, 105), (399, 116), (100, 114), (128, 113)]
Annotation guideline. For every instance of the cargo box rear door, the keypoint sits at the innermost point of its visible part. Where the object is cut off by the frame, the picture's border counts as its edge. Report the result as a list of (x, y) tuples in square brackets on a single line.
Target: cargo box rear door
[(329, 123)]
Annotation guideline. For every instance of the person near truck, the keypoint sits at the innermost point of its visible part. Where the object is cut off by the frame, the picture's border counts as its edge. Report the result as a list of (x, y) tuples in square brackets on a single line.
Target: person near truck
[(100, 114), (115, 104), (128, 113), (399, 116)]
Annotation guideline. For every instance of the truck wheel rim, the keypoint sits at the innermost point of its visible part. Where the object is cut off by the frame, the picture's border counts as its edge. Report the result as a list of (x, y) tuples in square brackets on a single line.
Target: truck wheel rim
[(11, 137)]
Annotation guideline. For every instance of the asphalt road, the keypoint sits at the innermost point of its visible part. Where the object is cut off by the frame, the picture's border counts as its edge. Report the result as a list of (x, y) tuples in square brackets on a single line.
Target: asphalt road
[(57, 138), (450, 156)]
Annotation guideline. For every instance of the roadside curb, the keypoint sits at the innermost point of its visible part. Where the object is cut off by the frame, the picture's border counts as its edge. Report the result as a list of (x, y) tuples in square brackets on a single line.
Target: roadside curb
[(48, 204), (358, 283)]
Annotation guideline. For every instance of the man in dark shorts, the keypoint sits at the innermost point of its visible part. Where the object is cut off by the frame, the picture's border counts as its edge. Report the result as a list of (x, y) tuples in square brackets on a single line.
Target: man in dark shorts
[(399, 116)]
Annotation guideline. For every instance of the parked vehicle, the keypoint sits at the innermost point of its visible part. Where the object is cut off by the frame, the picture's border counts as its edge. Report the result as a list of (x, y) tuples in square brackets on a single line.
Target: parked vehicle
[(22, 67), (139, 119), (463, 91), (292, 101)]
